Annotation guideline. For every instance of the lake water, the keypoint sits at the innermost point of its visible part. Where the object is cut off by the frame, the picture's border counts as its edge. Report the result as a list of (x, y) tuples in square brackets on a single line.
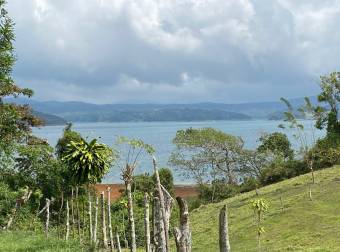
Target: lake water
[(160, 135)]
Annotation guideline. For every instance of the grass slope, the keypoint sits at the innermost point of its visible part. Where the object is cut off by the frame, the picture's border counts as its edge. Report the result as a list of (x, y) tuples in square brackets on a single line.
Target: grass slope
[(20, 241), (304, 225)]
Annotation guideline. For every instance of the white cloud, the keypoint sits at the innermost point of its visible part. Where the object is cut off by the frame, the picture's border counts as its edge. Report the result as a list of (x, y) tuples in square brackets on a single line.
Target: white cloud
[(195, 50)]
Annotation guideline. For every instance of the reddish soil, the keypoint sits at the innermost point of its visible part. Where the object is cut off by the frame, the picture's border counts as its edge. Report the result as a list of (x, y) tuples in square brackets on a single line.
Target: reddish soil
[(184, 191)]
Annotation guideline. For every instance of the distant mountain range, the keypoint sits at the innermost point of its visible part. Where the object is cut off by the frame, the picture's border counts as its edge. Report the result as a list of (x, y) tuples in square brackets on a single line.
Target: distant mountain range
[(56, 112)]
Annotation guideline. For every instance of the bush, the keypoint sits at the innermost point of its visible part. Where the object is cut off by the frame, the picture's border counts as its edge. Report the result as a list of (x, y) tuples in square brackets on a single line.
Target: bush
[(326, 151), (279, 171), (249, 184), (216, 191)]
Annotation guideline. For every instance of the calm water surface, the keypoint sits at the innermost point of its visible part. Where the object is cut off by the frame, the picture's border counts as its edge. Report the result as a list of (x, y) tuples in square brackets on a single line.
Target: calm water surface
[(160, 135)]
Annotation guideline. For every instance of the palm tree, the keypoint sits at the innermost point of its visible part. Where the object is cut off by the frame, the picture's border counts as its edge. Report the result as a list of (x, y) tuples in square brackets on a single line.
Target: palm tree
[(88, 163)]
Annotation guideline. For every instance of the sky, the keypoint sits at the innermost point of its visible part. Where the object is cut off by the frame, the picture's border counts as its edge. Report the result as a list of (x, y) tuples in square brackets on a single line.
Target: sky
[(174, 51)]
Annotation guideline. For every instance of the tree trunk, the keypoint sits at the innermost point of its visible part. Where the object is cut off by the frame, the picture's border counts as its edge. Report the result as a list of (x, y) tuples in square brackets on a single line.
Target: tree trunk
[(48, 202), (67, 221), (95, 222), (159, 236), (109, 217), (118, 242), (20, 201), (183, 234), (146, 223), (90, 218), (223, 230), (103, 219), (78, 212), (162, 205), (133, 247)]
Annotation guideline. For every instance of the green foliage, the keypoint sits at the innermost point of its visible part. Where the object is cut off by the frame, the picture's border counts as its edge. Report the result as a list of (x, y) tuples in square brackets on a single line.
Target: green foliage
[(280, 170), (36, 241), (326, 151), (15, 120), (328, 117), (206, 154), (147, 183), (89, 161), (217, 191), (136, 144), (37, 168), (167, 179), (68, 136), (249, 184), (7, 201), (276, 143)]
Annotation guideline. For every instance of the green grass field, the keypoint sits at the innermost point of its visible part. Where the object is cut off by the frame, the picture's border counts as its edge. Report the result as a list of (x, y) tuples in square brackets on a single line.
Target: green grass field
[(304, 225), (17, 241)]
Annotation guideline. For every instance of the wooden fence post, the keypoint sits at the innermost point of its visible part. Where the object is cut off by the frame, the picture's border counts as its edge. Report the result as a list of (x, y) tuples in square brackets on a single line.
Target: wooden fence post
[(103, 219), (183, 234), (146, 223), (67, 220), (223, 230), (109, 218), (95, 222), (90, 218), (48, 202)]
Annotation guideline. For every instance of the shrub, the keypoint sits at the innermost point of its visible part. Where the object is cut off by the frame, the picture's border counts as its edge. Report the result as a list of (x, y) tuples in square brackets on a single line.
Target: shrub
[(217, 191)]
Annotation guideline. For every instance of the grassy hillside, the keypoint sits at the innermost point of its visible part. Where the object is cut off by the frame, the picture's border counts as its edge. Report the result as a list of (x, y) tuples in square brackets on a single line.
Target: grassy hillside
[(304, 225)]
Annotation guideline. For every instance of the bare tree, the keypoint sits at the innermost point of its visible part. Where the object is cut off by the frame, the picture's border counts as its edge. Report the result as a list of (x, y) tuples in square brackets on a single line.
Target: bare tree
[(135, 149), (223, 230), (183, 234)]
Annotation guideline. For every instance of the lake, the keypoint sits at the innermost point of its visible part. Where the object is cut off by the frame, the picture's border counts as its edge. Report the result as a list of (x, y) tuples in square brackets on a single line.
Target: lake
[(160, 135)]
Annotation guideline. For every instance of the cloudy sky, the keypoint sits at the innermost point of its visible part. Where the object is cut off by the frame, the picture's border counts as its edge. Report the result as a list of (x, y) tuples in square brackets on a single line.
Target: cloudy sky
[(114, 51)]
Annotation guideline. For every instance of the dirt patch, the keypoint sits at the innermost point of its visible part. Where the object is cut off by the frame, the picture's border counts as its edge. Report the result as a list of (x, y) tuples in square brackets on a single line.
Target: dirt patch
[(184, 191)]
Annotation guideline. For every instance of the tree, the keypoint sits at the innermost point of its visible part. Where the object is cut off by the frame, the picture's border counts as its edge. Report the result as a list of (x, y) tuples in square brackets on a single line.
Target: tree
[(276, 143), (135, 148), (15, 120), (328, 117), (206, 154), (89, 161), (63, 142)]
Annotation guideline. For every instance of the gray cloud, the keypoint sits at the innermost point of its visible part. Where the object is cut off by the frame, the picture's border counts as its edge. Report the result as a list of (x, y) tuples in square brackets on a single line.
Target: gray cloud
[(108, 51)]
